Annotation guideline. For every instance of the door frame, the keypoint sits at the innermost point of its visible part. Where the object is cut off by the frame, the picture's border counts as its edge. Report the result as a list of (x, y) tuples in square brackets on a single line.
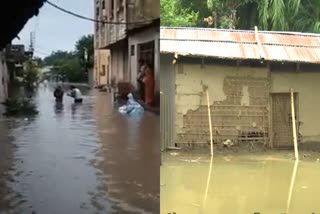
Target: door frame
[(271, 133)]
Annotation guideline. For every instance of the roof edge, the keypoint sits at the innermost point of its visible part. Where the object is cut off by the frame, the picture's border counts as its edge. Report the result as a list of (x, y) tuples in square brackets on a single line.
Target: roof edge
[(244, 31)]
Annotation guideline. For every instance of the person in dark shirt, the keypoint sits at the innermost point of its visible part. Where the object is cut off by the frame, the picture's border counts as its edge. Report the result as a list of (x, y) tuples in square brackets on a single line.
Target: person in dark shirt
[(58, 94), (141, 75)]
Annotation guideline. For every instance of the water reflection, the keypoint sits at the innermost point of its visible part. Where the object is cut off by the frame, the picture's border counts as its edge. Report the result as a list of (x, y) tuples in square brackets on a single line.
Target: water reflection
[(74, 108), (6, 164), (293, 178), (58, 107), (130, 153), (81, 159), (247, 183)]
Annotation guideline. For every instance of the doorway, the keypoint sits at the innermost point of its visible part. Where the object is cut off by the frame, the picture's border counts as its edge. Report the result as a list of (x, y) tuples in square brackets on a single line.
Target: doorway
[(282, 134), (146, 52)]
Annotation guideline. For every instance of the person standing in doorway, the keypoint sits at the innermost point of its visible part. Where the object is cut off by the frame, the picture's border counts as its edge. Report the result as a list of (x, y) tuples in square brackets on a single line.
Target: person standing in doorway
[(141, 75), (76, 94), (149, 83)]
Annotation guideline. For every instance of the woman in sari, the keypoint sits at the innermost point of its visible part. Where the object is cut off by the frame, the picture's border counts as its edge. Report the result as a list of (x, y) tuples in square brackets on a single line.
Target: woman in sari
[(149, 83)]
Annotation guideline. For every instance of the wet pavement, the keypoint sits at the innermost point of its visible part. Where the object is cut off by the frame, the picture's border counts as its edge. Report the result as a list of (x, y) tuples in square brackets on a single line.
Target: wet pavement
[(267, 182), (83, 158)]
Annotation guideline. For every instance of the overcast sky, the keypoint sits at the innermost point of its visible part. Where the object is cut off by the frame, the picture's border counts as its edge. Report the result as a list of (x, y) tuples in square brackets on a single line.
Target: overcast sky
[(55, 30)]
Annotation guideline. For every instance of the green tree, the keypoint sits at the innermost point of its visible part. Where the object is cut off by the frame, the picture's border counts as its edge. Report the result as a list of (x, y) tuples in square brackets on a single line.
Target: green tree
[(283, 15), (66, 64), (58, 57), (307, 18), (172, 14), (31, 74), (85, 45), (199, 6), (38, 61)]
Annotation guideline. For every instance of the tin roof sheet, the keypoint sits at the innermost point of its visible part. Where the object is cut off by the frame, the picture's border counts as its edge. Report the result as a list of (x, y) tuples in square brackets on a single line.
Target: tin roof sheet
[(239, 44)]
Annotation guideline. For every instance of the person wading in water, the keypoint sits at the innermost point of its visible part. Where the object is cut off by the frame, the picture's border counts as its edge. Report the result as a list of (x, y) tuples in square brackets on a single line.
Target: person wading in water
[(76, 94), (58, 94)]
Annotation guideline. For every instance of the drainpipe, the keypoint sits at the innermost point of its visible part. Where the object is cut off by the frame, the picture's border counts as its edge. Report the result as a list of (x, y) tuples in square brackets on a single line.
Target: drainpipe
[(261, 54)]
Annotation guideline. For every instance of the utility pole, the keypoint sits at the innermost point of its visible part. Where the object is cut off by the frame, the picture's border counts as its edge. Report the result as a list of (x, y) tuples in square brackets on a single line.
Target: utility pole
[(32, 38), (86, 62)]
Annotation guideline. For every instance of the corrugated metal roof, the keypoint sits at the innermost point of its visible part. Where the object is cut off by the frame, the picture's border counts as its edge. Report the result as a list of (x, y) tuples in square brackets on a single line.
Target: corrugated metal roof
[(239, 44)]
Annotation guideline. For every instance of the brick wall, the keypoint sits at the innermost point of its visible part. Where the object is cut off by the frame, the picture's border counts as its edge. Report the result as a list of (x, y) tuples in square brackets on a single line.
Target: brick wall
[(239, 104)]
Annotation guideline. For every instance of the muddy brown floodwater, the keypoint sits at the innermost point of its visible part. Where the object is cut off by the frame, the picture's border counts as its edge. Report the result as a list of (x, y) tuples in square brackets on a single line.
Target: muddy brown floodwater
[(79, 159), (267, 182)]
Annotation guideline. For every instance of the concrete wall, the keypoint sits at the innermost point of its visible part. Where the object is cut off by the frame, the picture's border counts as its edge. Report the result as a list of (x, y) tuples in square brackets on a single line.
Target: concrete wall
[(307, 85), (143, 10), (101, 59), (233, 91), (119, 62), (4, 79), (149, 35)]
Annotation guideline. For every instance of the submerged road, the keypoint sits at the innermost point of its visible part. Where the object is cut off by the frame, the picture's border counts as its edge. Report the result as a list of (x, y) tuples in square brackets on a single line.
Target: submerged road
[(79, 159)]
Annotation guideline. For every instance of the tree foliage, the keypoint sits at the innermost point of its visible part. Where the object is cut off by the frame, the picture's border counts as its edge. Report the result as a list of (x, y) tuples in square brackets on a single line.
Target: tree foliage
[(66, 64), (85, 44), (72, 64), (172, 14), (31, 74), (281, 15)]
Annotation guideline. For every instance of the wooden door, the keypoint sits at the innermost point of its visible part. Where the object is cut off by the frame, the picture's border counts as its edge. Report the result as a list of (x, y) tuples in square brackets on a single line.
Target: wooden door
[(282, 120)]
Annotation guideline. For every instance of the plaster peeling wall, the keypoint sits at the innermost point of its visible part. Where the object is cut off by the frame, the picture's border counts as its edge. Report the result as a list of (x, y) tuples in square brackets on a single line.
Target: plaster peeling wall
[(307, 85), (232, 90)]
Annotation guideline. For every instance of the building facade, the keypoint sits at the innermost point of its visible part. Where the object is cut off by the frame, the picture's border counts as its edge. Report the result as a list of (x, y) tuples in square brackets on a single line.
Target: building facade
[(249, 87), (144, 37), (4, 77), (102, 74), (110, 41), (130, 31)]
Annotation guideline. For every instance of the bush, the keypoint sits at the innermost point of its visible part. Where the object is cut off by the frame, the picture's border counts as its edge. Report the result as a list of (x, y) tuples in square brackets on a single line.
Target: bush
[(31, 75), (20, 107)]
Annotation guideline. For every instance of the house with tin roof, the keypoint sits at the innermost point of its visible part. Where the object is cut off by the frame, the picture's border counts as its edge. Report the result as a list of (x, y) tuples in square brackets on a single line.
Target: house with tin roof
[(251, 78)]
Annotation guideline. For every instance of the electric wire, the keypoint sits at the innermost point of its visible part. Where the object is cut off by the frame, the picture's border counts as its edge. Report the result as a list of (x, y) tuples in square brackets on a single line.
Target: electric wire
[(95, 20)]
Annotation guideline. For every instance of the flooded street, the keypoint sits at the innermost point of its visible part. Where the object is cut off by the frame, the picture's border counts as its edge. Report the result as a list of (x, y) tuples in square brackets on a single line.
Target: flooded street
[(269, 182), (79, 159)]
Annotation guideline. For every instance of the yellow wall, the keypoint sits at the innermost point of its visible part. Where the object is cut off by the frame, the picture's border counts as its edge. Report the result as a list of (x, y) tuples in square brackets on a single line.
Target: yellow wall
[(190, 93), (191, 79), (307, 85), (101, 58)]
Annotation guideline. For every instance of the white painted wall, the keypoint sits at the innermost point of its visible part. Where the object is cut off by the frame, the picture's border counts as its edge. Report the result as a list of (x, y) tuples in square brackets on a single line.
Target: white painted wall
[(308, 87), (149, 35)]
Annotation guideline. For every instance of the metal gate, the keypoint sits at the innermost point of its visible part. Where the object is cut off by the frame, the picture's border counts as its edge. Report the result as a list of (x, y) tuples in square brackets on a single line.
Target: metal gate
[(167, 102)]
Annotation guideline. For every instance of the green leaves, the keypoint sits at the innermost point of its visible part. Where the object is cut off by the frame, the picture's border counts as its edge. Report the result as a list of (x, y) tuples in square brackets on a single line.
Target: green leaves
[(278, 15), (282, 15), (31, 74), (85, 44), (173, 15)]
